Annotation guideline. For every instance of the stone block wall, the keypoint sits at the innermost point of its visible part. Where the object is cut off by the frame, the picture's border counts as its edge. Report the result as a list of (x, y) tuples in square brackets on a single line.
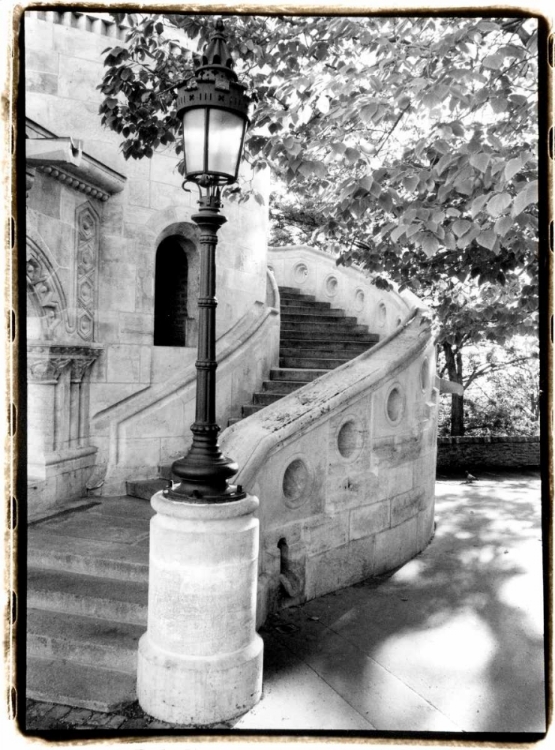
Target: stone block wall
[(112, 302), (461, 453)]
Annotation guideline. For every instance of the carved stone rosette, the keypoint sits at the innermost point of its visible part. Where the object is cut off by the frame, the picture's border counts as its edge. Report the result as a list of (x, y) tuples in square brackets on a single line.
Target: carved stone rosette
[(45, 364)]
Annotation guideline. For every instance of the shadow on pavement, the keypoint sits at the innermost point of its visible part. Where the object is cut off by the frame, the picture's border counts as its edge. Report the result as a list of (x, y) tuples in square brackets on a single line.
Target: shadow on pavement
[(453, 640)]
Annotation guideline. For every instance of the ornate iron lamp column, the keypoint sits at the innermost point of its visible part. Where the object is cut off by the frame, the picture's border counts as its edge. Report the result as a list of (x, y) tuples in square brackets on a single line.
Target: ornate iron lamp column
[(200, 661), (213, 106)]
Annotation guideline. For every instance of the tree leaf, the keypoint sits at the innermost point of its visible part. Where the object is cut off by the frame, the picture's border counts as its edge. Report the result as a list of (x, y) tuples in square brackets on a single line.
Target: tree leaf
[(412, 229), (366, 182), (493, 62), (398, 232), (498, 203), (480, 161), (429, 244), (461, 226), (503, 225), (367, 112), (487, 238), (513, 167), (529, 194), (351, 155), (478, 204), (410, 183)]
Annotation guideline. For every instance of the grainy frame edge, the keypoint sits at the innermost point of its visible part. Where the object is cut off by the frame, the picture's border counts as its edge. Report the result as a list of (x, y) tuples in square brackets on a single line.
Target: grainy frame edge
[(11, 383)]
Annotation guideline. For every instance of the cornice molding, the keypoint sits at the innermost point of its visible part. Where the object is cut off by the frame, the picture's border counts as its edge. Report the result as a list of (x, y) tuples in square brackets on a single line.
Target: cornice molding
[(63, 159)]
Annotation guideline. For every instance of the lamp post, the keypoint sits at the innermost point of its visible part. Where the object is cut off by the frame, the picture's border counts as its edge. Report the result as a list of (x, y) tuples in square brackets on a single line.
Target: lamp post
[(213, 106), (200, 661)]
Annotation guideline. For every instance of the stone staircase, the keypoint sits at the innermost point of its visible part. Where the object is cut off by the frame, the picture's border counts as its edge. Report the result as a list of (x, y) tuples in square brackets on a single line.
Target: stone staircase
[(87, 585), (313, 340), (88, 570)]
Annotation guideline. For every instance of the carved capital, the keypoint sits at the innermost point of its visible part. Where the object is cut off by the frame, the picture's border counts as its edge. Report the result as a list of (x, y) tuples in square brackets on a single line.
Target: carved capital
[(46, 363)]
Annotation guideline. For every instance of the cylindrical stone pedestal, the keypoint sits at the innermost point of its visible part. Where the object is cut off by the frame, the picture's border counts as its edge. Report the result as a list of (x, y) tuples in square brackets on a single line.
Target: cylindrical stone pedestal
[(200, 661)]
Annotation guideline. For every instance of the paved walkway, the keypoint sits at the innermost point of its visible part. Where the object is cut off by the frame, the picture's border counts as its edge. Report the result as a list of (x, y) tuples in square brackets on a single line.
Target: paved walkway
[(451, 642)]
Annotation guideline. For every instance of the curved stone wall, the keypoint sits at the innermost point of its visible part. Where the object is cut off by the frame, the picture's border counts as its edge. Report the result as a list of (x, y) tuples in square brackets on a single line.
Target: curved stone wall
[(344, 468)]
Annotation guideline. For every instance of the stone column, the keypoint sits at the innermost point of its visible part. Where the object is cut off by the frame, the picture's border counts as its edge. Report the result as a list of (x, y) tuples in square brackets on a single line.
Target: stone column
[(200, 661)]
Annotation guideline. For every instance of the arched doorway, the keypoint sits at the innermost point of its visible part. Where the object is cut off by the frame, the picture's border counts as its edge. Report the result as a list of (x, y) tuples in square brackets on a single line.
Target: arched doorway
[(170, 293)]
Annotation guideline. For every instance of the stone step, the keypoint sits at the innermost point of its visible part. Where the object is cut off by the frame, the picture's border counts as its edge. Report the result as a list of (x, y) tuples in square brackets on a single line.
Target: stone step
[(298, 333), (145, 488), (360, 343), (290, 296), (233, 420), (329, 328), (267, 398), (312, 362), (58, 681), (249, 409), (291, 290), (90, 596), (86, 640), (124, 562), (306, 315), (332, 318), (326, 350), (295, 374), (283, 387), (300, 302)]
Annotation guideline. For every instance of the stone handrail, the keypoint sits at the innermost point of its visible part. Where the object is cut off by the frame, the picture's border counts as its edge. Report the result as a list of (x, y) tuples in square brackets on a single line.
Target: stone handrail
[(138, 415)]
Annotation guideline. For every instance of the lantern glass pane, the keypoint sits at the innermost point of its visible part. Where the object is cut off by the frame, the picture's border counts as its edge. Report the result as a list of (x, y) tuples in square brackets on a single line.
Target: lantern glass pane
[(225, 138), (194, 134)]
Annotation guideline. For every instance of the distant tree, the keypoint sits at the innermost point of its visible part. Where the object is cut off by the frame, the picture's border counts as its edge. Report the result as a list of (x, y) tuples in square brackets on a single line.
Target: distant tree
[(501, 391), (409, 142)]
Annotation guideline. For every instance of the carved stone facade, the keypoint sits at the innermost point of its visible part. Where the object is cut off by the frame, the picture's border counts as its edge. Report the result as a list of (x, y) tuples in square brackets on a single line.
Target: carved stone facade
[(47, 305)]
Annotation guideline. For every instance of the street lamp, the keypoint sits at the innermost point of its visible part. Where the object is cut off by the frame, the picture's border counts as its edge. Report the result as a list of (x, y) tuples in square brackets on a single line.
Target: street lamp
[(200, 660), (214, 108)]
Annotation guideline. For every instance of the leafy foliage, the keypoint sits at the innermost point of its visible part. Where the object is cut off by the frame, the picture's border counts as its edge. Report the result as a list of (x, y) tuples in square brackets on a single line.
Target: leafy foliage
[(501, 391), (410, 143)]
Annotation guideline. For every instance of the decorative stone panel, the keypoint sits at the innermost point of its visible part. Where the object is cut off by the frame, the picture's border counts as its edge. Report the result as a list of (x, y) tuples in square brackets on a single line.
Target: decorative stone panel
[(46, 295), (87, 227)]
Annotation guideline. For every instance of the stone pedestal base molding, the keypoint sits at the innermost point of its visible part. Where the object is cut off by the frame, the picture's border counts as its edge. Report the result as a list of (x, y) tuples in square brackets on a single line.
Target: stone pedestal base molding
[(200, 661)]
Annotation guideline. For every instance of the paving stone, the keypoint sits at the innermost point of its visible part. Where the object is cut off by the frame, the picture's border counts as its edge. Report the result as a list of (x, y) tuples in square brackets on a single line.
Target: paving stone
[(77, 716), (57, 712), (114, 722), (135, 723)]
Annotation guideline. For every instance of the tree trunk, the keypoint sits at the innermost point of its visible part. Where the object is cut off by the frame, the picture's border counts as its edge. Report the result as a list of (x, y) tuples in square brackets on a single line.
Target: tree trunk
[(455, 371)]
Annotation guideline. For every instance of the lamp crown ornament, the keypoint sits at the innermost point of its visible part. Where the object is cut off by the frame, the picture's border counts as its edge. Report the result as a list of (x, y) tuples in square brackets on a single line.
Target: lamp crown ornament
[(216, 51), (213, 106)]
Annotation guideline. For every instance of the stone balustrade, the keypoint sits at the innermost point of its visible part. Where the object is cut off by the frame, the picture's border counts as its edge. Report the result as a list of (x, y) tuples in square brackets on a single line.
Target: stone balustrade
[(345, 466), (316, 272)]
